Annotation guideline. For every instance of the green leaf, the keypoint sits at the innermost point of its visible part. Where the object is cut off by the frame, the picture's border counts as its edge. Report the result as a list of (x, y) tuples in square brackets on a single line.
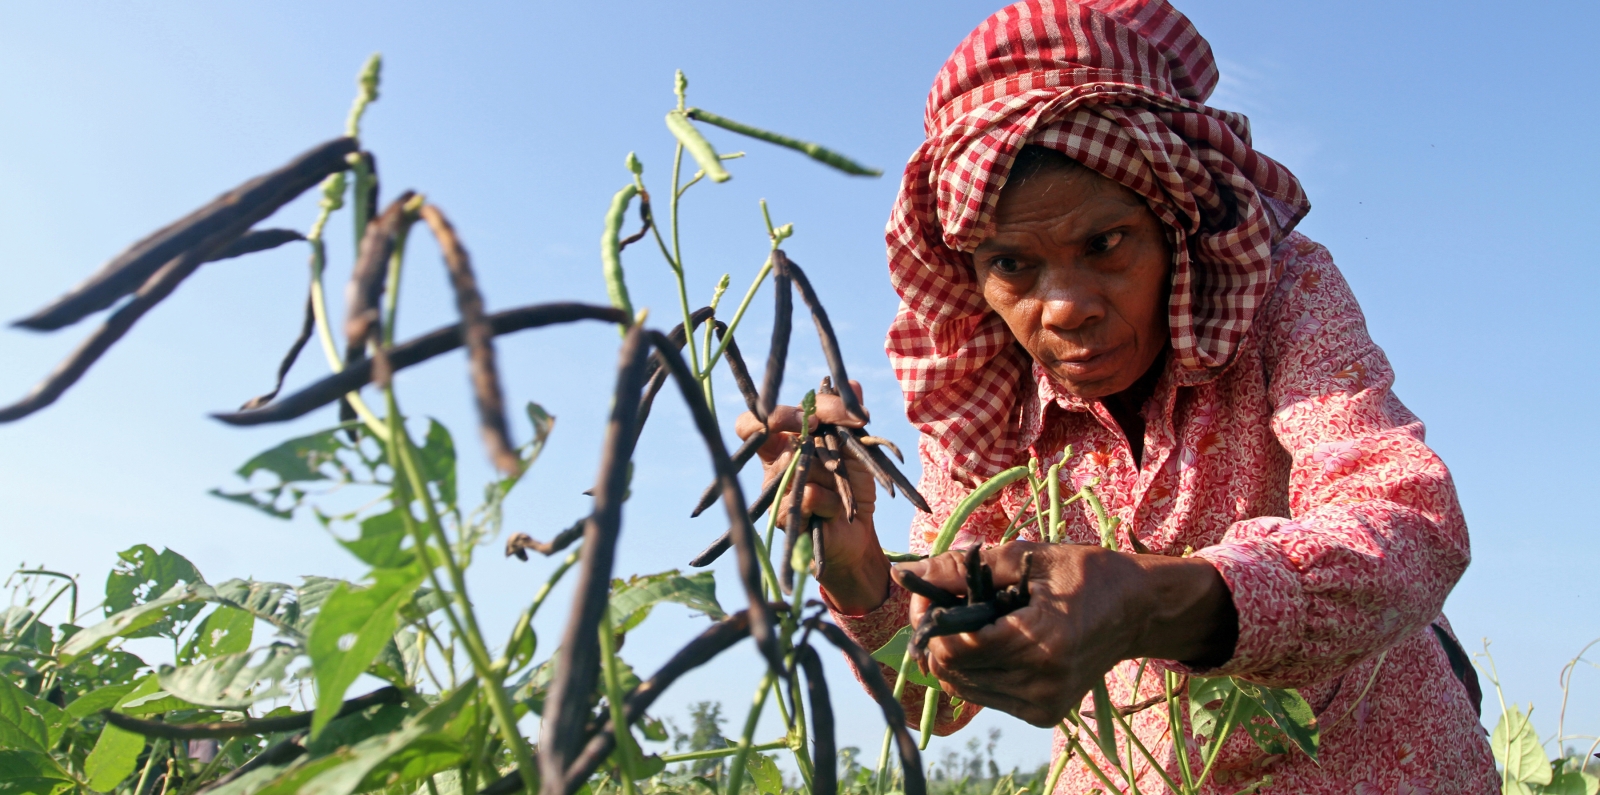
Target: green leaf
[(302, 459), (134, 621), (380, 543), (232, 681), (1105, 724), (437, 460), (352, 729), (227, 630), (22, 723), (653, 729), (1289, 712), (103, 698), (1207, 695), (30, 773), (764, 772), (114, 757), (1517, 748), (272, 602), (141, 576), (632, 601), (352, 628), (1572, 782), (893, 652), (697, 146)]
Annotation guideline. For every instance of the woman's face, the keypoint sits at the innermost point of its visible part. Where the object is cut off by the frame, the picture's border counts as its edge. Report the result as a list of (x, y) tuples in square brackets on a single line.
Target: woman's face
[(1077, 267)]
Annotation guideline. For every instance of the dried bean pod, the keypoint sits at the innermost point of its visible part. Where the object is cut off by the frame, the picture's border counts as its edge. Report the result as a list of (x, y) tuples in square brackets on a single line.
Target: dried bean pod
[(829, 457), (952, 621), (830, 342), (658, 376), (872, 676), (479, 339), (778, 351), (794, 523), (769, 492), (741, 457), (860, 452), (362, 322), (744, 535), (212, 227), (900, 479), (256, 240), (415, 351), (741, 373), (249, 726), (519, 543), (578, 660), (935, 595), (879, 441), (825, 764), (306, 327)]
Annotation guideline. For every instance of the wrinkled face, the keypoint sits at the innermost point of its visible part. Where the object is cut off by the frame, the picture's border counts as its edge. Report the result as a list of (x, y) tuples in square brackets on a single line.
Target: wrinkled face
[(1077, 267)]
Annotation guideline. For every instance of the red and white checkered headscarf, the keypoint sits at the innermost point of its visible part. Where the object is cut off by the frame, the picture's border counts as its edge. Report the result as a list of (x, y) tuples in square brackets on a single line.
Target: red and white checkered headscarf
[(1119, 86)]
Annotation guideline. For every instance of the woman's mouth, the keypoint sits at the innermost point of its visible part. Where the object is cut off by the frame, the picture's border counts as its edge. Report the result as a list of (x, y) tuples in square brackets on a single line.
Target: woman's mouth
[(1088, 364)]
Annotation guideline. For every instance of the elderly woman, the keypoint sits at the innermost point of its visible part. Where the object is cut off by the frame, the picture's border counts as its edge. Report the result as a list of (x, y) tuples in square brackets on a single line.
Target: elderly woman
[(1088, 255)]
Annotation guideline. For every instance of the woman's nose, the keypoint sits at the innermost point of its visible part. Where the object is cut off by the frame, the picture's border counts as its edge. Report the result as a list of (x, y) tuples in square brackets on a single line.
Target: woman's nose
[(1069, 304)]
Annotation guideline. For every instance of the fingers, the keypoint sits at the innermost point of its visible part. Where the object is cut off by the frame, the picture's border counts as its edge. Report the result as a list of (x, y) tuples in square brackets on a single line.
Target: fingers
[(947, 571)]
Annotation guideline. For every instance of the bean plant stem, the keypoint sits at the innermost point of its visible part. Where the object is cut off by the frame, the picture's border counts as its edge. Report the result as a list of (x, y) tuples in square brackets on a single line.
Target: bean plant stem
[(1137, 744), (492, 676), (1075, 747), (718, 753), (1230, 713), (1175, 719), (742, 755), (627, 754), (319, 313), (738, 314)]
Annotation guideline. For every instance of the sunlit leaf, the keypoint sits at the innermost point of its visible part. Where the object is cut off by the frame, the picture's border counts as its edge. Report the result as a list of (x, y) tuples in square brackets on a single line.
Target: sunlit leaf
[(1517, 748), (132, 622), (352, 627), (1289, 712), (232, 681), (632, 601), (227, 630), (1572, 782), (272, 602), (22, 723), (438, 462), (30, 773), (141, 576), (379, 545), (113, 759), (765, 773)]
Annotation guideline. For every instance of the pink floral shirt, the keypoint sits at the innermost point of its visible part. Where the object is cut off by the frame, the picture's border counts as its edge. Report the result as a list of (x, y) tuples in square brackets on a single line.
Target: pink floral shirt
[(1299, 474)]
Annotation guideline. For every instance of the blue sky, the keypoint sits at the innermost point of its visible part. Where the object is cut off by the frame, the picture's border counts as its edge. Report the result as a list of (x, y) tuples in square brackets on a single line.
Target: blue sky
[(1446, 149)]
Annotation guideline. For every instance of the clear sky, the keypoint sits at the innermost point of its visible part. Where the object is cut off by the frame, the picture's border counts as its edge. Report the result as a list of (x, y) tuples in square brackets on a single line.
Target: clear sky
[(1447, 150)]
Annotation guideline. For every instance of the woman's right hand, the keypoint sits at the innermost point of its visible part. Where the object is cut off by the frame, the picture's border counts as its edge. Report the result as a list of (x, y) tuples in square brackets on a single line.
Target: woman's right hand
[(855, 572)]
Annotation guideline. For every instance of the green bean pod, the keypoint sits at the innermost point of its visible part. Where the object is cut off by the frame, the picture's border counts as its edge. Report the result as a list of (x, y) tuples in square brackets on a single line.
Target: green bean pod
[(820, 154), (611, 250), (979, 495), (699, 148)]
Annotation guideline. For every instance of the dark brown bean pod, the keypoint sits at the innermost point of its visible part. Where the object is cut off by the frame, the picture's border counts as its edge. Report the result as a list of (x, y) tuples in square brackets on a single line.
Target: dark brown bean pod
[(519, 543), (256, 240), (96, 344), (280, 753), (894, 472), (741, 373), (646, 220), (860, 452), (825, 765), (872, 676), (211, 227), (828, 454), (972, 568), (577, 663), (479, 339), (952, 621), (778, 351), (795, 522), (732, 499), (416, 351), (249, 726), (935, 595), (306, 327), (769, 492), (362, 322), (744, 534), (879, 441), (819, 552), (717, 639), (658, 376), (830, 341), (742, 456)]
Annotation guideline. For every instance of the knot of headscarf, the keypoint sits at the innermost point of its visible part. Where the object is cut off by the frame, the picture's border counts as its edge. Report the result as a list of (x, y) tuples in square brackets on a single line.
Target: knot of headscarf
[(1119, 86)]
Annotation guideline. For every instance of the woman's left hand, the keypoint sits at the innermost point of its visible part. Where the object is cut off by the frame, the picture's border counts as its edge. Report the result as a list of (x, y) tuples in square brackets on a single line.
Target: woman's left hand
[(1090, 608)]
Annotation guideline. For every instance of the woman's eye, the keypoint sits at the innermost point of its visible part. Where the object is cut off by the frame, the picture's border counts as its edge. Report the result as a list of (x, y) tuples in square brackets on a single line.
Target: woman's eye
[(1100, 244), (1005, 265)]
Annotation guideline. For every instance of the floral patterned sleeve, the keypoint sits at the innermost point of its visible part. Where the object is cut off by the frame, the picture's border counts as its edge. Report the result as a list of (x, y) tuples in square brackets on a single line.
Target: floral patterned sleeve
[(1376, 537)]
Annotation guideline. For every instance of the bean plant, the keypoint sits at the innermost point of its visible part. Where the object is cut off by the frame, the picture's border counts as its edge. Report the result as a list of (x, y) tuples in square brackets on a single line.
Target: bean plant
[(256, 695)]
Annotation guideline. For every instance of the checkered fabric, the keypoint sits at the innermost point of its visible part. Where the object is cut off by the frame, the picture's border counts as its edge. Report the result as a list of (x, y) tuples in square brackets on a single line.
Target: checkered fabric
[(1119, 86)]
